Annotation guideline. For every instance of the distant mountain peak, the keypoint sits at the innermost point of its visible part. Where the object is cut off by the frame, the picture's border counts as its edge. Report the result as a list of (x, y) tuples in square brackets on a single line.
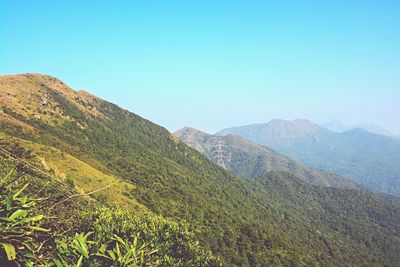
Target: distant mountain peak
[(295, 128), (337, 126), (276, 128), (190, 131), (191, 136)]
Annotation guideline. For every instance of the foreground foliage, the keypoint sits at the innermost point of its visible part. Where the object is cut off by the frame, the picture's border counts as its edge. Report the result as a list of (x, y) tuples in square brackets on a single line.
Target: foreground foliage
[(19, 227), (112, 237)]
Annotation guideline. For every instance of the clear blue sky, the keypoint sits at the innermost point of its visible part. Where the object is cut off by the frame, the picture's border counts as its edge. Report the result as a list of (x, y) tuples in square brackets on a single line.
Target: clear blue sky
[(214, 64)]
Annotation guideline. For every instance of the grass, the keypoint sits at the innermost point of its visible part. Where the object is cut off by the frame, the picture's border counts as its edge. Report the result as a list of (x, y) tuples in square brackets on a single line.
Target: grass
[(84, 177)]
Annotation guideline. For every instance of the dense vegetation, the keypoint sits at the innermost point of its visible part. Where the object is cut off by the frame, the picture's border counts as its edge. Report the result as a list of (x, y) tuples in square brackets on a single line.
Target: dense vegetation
[(250, 160), (370, 222), (277, 219), (32, 233)]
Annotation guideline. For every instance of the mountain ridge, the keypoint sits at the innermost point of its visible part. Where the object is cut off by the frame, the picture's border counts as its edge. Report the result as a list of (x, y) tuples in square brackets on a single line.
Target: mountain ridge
[(338, 126), (235, 153), (355, 154)]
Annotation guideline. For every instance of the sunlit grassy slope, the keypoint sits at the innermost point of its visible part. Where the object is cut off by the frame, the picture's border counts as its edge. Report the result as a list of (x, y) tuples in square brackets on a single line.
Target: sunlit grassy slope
[(82, 176)]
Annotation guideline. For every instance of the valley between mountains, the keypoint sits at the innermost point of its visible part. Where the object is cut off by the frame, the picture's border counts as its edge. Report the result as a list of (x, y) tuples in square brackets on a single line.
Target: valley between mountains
[(84, 181)]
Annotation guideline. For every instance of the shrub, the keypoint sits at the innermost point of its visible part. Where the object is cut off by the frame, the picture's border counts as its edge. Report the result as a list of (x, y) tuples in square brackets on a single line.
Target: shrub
[(19, 226), (113, 238)]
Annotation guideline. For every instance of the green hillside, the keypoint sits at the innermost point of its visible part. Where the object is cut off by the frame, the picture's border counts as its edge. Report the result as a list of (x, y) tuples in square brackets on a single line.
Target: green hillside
[(247, 159), (45, 222), (88, 143)]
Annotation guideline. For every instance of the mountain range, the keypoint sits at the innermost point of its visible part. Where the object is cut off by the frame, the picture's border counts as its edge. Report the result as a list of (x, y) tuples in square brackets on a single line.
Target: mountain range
[(369, 159), (83, 156), (247, 159), (338, 126)]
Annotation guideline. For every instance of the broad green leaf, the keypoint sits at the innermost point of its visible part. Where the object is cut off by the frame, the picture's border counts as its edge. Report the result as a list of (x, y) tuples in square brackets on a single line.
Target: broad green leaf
[(9, 201), (103, 248), (118, 250), (20, 191), (18, 214), (58, 263), (35, 218), (8, 176), (119, 239), (10, 251), (152, 252), (79, 263), (112, 254), (142, 257), (39, 229)]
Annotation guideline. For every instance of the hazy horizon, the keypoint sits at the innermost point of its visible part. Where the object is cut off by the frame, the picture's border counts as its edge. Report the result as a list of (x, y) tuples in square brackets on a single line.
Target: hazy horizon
[(213, 65)]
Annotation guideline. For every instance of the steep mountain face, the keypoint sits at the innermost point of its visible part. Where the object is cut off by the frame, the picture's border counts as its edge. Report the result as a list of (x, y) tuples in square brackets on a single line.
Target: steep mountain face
[(277, 219), (369, 159), (250, 160), (339, 127)]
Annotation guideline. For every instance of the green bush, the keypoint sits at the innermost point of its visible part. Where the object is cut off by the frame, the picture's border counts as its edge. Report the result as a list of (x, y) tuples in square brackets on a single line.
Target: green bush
[(19, 226), (113, 238), (171, 243), (83, 249)]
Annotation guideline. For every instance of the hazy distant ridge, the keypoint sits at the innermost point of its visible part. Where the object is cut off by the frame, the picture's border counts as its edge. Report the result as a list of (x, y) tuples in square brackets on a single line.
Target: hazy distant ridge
[(370, 159), (339, 127)]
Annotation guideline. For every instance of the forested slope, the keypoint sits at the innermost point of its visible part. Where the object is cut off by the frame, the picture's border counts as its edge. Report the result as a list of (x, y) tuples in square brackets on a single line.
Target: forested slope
[(248, 160)]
